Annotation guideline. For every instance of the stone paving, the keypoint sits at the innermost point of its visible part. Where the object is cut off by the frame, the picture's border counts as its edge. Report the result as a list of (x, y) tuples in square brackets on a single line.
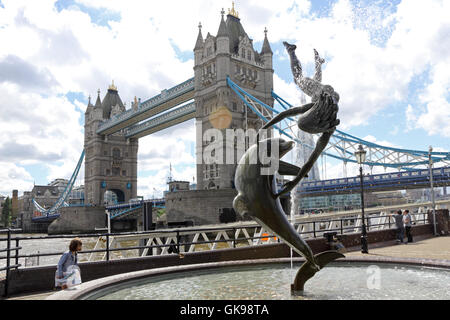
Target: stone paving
[(424, 247)]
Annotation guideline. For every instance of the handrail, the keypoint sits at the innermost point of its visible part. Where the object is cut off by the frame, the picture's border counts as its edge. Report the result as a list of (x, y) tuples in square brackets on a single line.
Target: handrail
[(8, 257), (177, 237)]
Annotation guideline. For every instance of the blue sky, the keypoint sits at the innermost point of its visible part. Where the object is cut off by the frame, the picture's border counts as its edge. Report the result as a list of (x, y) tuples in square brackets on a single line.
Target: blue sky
[(389, 60)]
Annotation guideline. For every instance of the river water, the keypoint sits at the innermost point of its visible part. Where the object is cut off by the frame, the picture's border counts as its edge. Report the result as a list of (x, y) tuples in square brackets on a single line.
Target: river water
[(42, 246)]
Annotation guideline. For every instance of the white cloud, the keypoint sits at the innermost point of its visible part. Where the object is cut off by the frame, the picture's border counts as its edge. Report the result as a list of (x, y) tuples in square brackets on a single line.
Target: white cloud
[(14, 177), (372, 56)]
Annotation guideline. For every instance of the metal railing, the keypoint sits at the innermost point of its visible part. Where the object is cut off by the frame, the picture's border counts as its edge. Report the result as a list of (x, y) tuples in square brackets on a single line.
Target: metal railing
[(182, 240), (8, 250)]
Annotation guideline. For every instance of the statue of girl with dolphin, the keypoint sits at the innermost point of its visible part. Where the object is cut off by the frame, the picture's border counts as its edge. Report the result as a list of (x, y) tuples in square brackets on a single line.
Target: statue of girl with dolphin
[(258, 196)]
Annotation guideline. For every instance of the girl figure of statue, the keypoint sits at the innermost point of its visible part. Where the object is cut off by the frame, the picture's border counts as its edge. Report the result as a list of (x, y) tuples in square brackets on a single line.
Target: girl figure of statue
[(319, 116)]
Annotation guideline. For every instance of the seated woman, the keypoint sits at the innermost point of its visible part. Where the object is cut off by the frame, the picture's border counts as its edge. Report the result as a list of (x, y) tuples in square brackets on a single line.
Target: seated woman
[(68, 273)]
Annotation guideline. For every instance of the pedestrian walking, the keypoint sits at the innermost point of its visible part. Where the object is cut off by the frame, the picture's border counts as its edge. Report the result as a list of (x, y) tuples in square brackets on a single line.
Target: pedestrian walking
[(407, 221), (399, 225), (68, 273)]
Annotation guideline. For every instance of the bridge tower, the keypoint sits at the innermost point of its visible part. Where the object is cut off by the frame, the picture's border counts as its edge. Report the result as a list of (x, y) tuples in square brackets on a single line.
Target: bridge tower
[(228, 54), (110, 160)]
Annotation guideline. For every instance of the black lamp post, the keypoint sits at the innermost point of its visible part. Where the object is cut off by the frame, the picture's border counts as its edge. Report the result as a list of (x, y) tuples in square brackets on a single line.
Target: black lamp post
[(361, 158)]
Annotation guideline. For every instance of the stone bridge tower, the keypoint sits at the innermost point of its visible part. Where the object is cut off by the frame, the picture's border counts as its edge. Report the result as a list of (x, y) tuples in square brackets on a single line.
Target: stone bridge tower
[(228, 54), (110, 160)]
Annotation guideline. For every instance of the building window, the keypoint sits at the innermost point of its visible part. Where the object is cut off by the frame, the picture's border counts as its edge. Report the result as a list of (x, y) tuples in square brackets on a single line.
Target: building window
[(116, 153), (243, 53), (108, 172), (249, 55), (105, 153), (208, 51), (234, 106), (124, 172)]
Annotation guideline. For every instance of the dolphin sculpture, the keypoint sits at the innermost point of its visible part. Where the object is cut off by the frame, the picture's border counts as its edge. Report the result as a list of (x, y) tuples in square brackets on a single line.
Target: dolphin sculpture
[(258, 198)]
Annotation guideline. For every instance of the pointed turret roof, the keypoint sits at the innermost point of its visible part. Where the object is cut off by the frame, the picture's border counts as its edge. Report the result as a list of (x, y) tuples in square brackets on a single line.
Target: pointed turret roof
[(98, 103), (111, 99), (199, 43), (223, 31), (235, 30), (90, 105), (266, 45)]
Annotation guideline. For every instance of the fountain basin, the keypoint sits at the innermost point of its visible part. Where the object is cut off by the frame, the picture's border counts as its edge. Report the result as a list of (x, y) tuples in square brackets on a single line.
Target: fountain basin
[(270, 279)]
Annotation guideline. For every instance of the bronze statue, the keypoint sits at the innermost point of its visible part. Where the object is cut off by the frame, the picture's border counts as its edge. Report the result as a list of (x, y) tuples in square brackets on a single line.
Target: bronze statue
[(258, 196), (320, 116)]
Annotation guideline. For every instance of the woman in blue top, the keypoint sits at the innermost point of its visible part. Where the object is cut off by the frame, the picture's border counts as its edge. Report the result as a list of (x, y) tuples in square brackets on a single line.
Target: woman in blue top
[(66, 264)]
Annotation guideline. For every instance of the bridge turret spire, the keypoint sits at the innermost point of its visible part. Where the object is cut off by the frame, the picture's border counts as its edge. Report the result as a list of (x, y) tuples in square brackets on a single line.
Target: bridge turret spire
[(223, 31), (113, 87), (98, 103), (89, 102), (266, 45), (233, 12), (199, 43)]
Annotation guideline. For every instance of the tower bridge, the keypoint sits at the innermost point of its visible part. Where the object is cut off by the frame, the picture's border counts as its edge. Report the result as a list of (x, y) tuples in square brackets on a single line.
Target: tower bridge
[(231, 80)]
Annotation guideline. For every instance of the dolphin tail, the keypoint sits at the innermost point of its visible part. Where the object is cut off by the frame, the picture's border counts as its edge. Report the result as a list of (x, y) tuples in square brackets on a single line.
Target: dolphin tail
[(308, 269)]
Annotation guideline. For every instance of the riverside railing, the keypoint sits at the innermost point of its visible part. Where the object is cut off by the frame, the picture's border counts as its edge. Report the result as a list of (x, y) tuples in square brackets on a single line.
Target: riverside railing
[(8, 250), (182, 240)]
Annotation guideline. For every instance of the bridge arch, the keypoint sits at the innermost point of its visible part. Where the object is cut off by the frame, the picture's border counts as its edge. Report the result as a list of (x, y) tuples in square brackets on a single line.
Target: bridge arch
[(113, 196)]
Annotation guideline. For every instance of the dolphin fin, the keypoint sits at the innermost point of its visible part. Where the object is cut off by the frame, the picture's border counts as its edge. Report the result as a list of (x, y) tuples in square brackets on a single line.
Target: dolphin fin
[(308, 270), (287, 169)]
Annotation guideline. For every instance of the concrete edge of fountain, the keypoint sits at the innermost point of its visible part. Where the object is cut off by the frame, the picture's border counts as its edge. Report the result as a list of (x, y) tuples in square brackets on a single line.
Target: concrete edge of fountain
[(90, 287)]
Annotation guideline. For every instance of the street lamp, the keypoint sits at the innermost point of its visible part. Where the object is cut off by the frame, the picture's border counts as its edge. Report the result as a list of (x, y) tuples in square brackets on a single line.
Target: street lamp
[(361, 158), (430, 163)]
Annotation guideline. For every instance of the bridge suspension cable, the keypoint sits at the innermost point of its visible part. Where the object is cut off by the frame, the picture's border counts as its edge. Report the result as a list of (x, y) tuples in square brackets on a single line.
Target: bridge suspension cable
[(342, 146), (61, 202)]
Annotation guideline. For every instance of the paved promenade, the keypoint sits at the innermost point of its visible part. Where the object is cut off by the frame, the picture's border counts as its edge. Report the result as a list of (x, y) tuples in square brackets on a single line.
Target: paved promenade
[(424, 247)]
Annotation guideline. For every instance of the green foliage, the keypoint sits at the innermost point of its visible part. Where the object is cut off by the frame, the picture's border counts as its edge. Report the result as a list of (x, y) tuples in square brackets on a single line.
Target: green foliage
[(160, 212), (7, 212)]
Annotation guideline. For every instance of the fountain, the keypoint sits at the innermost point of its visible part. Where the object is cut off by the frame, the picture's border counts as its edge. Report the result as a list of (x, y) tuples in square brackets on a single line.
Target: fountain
[(270, 280)]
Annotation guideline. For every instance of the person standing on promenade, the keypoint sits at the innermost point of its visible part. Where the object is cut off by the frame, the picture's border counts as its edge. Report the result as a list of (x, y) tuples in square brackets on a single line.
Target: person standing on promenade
[(399, 225), (68, 273), (407, 221)]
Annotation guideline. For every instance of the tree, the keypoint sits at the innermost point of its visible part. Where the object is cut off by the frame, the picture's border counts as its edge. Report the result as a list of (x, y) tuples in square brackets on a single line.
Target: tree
[(6, 212)]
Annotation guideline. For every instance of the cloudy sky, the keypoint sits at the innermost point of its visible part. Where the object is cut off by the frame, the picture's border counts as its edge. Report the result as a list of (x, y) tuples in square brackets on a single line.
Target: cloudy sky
[(389, 61)]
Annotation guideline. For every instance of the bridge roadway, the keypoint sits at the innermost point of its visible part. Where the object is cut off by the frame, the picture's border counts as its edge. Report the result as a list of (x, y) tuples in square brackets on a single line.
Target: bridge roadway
[(416, 179), (368, 211), (165, 101), (125, 210), (169, 119)]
